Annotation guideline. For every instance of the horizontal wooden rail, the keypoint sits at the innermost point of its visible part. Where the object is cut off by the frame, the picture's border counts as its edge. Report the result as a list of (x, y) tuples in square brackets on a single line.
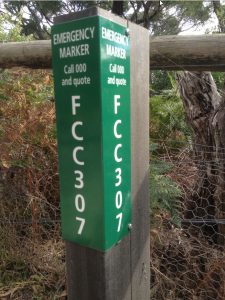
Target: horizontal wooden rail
[(193, 53), (35, 54)]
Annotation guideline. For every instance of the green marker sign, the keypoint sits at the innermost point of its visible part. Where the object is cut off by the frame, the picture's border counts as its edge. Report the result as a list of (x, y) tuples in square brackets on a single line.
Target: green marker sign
[(91, 66)]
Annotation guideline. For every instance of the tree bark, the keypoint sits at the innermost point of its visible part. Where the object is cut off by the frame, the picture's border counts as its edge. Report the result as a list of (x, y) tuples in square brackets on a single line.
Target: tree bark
[(205, 114)]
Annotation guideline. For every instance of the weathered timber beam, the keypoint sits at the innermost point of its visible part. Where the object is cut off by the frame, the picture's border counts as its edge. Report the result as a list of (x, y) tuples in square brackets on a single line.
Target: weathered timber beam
[(35, 54), (193, 53)]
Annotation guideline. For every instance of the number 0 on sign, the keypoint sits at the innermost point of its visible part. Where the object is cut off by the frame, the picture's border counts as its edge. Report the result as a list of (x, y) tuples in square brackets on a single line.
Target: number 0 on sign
[(91, 66)]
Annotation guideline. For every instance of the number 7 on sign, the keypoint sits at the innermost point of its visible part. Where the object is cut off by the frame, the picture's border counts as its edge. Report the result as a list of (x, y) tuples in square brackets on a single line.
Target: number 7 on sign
[(81, 227), (119, 216)]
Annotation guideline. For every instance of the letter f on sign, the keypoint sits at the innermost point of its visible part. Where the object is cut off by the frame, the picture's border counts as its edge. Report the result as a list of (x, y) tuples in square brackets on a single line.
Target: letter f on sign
[(116, 103), (75, 104)]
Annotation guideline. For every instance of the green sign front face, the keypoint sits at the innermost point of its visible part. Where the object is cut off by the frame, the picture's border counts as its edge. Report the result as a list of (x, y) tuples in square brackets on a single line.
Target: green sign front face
[(91, 66)]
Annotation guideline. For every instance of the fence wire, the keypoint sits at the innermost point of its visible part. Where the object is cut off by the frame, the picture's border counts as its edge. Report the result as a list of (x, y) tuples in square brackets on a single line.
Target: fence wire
[(187, 215), (32, 258), (187, 240), (187, 231)]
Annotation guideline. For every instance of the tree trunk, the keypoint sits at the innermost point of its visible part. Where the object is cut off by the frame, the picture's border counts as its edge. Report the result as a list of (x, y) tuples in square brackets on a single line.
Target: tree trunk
[(205, 113), (117, 7)]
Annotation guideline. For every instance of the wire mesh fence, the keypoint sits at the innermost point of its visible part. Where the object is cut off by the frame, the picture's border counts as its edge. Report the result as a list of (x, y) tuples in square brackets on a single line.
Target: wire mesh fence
[(187, 245), (187, 233), (186, 199), (32, 264)]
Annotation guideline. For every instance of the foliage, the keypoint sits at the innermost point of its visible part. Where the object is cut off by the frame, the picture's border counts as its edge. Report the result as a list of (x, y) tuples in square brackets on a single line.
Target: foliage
[(159, 81), (167, 119), (219, 80), (176, 15), (164, 192), (10, 29), (27, 116), (167, 125), (161, 17), (40, 14), (219, 10), (167, 115), (31, 252)]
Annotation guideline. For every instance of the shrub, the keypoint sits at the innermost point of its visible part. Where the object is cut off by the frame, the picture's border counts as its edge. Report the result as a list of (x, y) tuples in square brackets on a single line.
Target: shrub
[(164, 192)]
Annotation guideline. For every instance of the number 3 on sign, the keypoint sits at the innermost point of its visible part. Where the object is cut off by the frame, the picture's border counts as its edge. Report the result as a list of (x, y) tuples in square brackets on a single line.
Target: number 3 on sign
[(81, 227)]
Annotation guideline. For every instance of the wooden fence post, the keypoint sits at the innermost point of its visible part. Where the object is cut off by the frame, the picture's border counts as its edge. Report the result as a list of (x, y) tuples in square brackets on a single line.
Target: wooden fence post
[(121, 273)]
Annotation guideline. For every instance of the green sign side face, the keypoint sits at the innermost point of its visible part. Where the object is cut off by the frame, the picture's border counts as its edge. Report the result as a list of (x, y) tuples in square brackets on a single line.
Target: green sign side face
[(76, 60), (116, 133)]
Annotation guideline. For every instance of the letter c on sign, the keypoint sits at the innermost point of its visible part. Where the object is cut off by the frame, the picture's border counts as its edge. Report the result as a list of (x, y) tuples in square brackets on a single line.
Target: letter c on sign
[(65, 69), (116, 134), (75, 150), (78, 138), (117, 159)]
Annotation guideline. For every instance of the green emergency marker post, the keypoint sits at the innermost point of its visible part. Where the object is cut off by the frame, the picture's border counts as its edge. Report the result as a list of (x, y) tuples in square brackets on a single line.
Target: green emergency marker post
[(101, 75), (91, 63)]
